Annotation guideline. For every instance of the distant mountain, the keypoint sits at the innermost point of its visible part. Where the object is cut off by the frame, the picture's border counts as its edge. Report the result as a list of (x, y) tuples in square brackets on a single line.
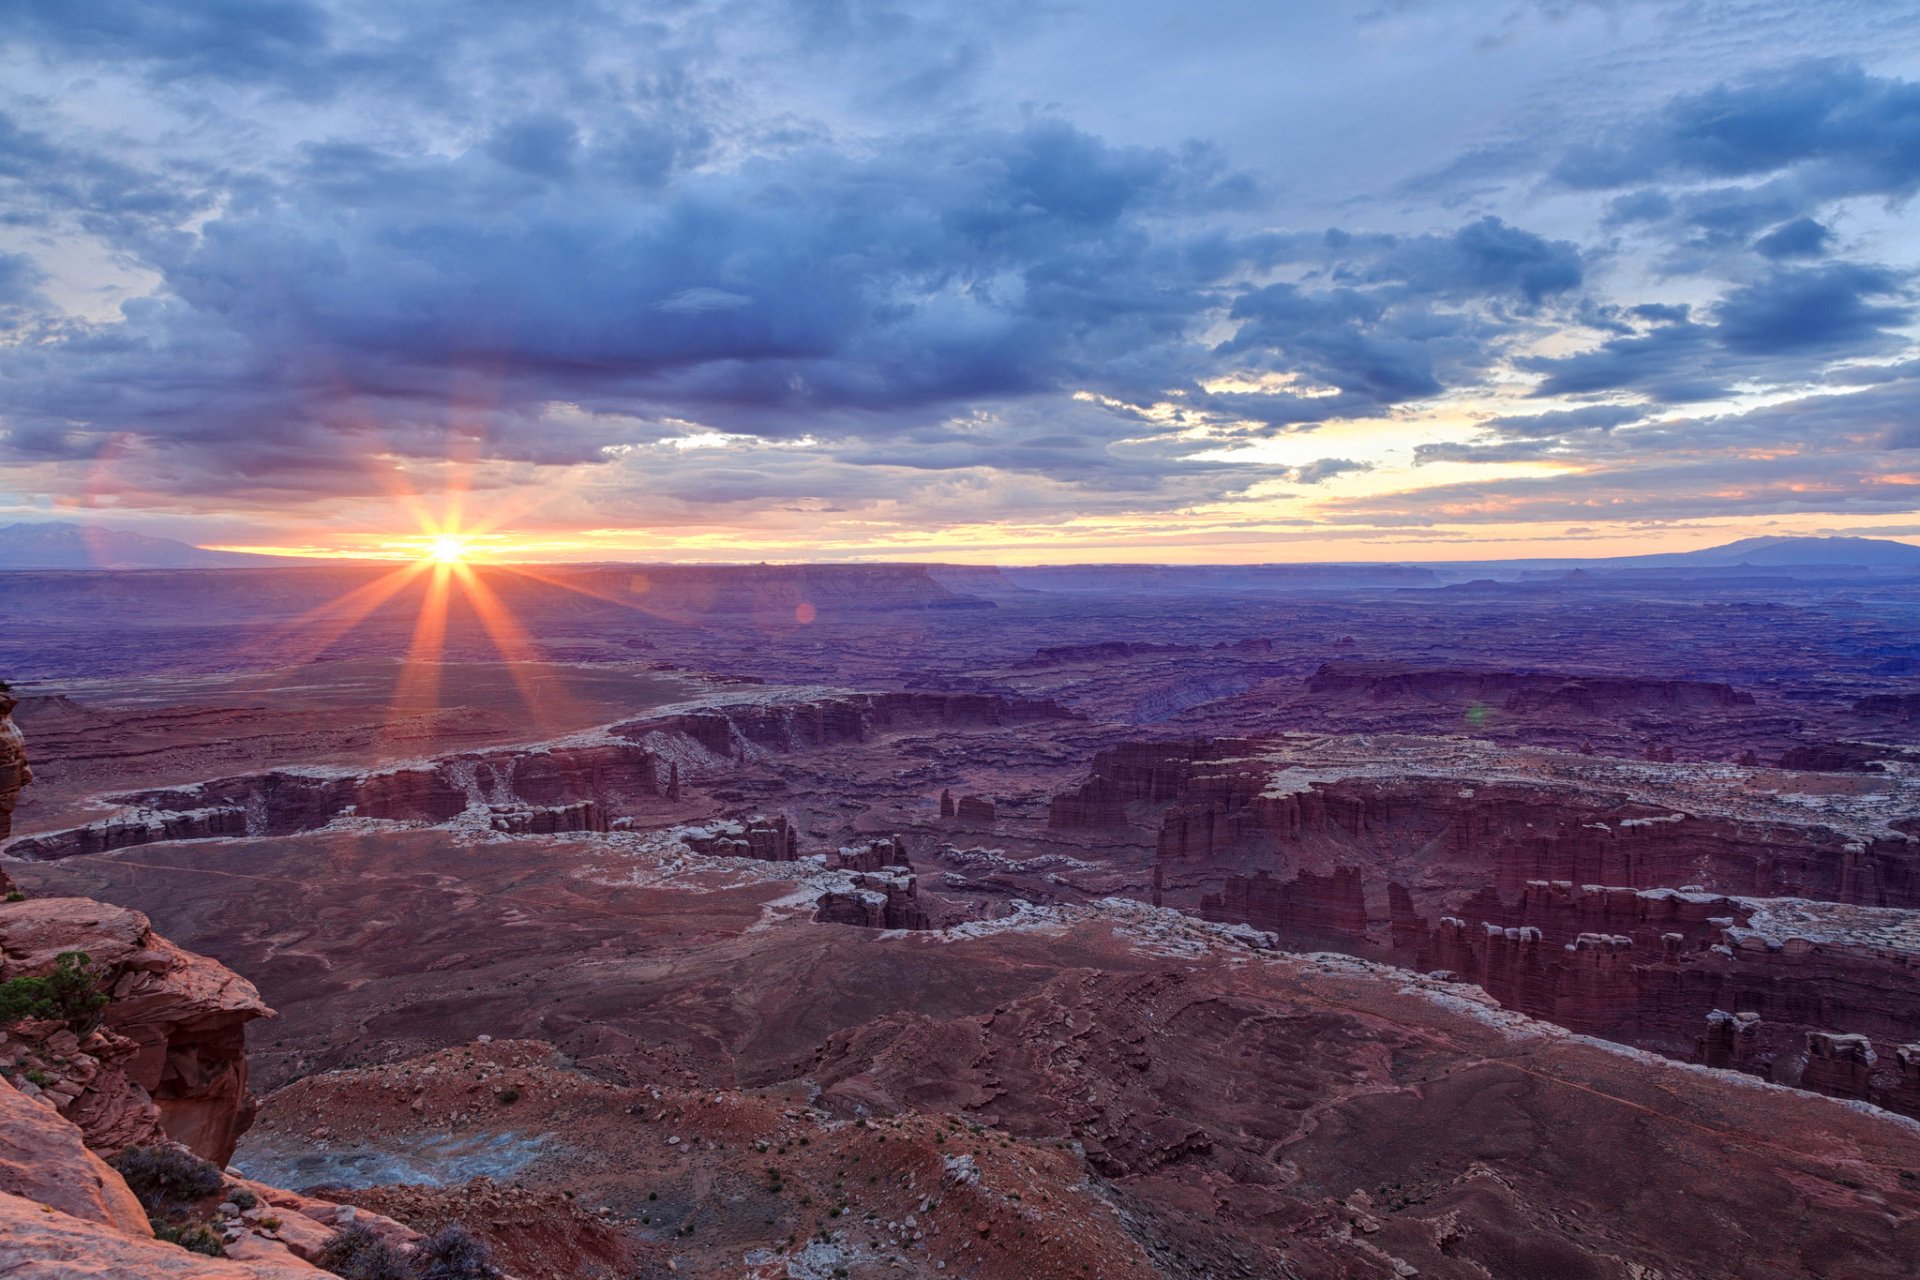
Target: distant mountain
[(1866, 553), (67, 545)]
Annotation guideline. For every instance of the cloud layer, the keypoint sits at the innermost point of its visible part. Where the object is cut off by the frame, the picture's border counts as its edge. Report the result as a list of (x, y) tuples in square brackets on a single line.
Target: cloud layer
[(743, 266)]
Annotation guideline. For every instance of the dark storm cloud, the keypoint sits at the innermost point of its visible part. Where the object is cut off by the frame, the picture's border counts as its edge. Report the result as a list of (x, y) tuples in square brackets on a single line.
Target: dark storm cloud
[(1785, 326), (1854, 133), (1407, 318), (581, 235), (861, 296), (1800, 238)]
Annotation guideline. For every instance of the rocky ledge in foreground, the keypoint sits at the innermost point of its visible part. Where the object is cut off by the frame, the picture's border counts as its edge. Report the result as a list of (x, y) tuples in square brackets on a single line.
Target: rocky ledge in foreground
[(132, 1049), (164, 1057)]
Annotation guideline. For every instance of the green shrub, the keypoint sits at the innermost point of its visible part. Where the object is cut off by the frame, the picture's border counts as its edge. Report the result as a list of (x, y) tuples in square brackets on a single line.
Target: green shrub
[(192, 1238), (164, 1178), (72, 993), (16, 896)]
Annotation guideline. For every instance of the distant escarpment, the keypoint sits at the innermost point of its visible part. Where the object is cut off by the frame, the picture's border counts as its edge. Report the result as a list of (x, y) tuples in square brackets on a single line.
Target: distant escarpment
[(1522, 691), (584, 783), (1456, 816), (1744, 917)]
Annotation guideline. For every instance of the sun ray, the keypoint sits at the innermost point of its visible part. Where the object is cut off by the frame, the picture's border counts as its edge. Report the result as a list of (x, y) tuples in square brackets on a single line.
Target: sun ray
[(325, 624), (516, 647), (416, 691)]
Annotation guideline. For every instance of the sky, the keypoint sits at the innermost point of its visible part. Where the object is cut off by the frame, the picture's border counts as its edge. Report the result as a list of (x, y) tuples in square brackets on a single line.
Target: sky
[(979, 281)]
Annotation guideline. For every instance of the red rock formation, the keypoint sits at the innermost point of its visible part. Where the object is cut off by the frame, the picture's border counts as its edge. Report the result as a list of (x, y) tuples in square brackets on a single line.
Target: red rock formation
[(974, 811), (1135, 773), (1895, 706), (14, 772), (766, 839), (732, 729), (611, 777), (44, 1159), (946, 804), (1332, 905), (1837, 757), (879, 900), (1231, 815), (171, 1050), (871, 855), (1840, 1066), (65, 1214), (559, 819)]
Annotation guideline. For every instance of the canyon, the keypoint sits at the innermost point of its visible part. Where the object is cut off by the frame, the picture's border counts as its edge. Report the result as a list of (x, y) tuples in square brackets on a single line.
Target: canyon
[(997, 923)]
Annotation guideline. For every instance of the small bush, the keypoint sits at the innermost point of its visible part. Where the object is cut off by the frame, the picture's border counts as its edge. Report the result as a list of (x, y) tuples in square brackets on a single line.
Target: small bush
[(70, 993), (165, 1178), (194, 1239), (357, 1252), (453, 1253), (242, 1197), (16, 896), (508, 1095)]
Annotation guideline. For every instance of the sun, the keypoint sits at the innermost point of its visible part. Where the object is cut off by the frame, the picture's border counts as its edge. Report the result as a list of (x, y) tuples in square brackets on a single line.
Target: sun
[(448, 549)]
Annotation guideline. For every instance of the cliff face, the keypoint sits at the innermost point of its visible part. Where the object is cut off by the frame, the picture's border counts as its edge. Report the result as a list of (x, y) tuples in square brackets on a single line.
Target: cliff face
[(1223, 806), (14, 773), (543, 791), (1617, 899), (887, 899), (1521, 691), (169, 1057)]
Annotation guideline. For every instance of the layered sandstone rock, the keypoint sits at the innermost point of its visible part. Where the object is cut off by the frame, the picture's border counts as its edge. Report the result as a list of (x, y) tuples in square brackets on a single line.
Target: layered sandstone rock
[(975, 811), (871, 855), (65, 1214), (1458, 815), (170, 1055), (576, 786), (14, 773), (57, 1246), (876, 900), (549, 820), (1332, 906), (1135, 773), (766, 839), (44, 1158)]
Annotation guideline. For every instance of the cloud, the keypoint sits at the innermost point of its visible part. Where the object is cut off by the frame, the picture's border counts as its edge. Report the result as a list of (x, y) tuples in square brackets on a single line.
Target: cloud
[(1837, 451), (1850, 132), (1784, 327), (1800, 238), (727, 261), (1324, 469)]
